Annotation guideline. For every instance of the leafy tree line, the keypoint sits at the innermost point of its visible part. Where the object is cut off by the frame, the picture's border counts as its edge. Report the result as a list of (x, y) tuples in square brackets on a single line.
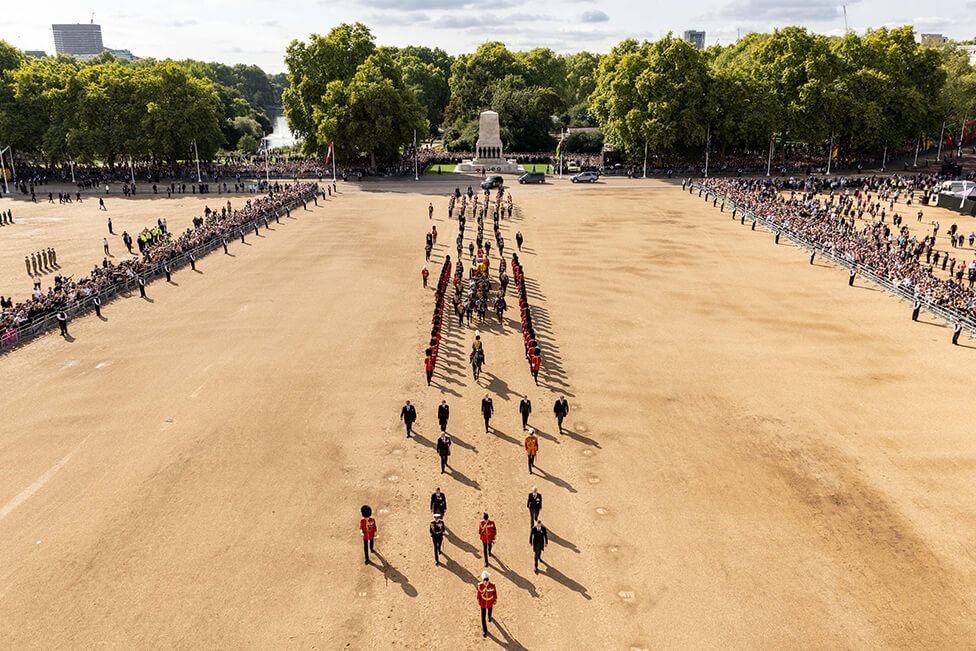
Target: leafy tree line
[(865, 92), (105, 108)]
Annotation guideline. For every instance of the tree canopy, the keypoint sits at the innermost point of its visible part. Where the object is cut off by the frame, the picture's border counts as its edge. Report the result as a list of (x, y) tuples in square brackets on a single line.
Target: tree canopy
[(347, 91)]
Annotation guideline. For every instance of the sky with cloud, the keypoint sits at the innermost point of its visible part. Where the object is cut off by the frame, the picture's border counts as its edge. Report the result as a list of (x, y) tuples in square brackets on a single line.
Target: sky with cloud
[(257, 31)]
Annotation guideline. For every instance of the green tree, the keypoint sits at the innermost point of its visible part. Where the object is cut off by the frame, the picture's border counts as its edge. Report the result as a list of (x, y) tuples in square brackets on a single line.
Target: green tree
[(473, 77), (247, 144), (543, 69), (373, 113), (312, 67), (525, 114), (429, 85), (742, 109), (654, 95), (179, 109), (581, 71)]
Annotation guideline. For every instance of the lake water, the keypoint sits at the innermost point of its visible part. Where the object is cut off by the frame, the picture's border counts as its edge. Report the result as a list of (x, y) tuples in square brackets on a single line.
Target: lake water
[(281, 135)]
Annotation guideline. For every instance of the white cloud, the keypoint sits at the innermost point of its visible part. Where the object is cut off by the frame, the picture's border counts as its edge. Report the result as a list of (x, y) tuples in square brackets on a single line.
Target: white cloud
[(593, 16)]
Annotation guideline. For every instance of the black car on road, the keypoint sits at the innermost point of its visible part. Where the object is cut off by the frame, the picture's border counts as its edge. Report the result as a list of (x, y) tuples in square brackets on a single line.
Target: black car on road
[(532, 177)]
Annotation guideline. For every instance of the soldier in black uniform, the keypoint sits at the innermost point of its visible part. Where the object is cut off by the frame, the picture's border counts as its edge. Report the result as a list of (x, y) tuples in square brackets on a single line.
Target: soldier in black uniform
[(538, 538), (437, 529), (525, 408), (853, 273), (487, 409), (443, 413), (956, 331), (443, 449), (408, 414), (916, 308), (97, 302), (534, 504), (142, 287), (560, 409), (438, 502)]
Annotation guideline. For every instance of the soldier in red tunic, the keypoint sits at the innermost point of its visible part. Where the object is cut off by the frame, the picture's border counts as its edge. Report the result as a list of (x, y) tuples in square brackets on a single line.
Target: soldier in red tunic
[(487, 598), (367, 528), (487, 531)]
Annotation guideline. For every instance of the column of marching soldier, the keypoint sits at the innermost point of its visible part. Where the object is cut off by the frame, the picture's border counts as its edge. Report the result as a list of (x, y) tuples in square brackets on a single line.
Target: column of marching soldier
[(487, 593)]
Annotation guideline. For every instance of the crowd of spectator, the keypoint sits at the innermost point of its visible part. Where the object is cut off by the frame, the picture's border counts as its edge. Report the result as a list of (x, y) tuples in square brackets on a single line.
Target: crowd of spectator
[(884, 244), (158, 250)]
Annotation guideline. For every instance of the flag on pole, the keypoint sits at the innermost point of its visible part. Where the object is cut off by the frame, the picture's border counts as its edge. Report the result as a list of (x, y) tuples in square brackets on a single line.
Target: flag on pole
[(559, 148), (969, 131), (833, 151), (261, 147), (949, 136), (328, 154)]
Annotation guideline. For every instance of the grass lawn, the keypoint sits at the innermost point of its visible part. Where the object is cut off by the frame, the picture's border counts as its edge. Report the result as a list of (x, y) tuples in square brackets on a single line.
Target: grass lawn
[(434, 169), (536, 167)]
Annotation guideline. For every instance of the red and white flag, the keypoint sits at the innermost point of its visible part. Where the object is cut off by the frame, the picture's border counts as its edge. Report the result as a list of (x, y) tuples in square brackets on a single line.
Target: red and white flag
[(329, 154)]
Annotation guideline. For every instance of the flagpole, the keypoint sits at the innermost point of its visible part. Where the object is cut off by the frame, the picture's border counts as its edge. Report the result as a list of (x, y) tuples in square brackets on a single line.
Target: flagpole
[(416, 175), (708, 148), (267, 168), (918, 143), (884, 158), (938, 156), (830, 152), (333, 164), (13, 168), (645, 159), (769, 160), (196, 154), (962, 138), (71, 161), (132, 172), (562, 138), (3, 171)]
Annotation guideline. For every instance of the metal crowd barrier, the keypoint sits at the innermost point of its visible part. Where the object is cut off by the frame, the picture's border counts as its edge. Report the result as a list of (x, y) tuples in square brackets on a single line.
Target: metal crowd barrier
[(901, 292), (28, 331)]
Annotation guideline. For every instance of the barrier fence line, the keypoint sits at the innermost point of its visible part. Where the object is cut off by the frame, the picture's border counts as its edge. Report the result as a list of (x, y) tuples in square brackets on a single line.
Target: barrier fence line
[(36, 327), (948, 315)]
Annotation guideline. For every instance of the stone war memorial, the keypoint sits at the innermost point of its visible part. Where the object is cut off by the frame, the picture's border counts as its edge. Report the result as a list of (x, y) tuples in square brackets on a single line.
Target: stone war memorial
[(488, 155)]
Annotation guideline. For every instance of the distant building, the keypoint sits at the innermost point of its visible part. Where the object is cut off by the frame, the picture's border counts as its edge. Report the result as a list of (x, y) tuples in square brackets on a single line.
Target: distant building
[(122, 54), (37, 54), (970, 50), (84, 42), (695, 38), (930, 39), (78, 40)]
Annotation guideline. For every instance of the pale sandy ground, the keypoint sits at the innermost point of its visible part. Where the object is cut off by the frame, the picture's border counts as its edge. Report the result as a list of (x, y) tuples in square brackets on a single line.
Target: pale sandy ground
[(757, 456)]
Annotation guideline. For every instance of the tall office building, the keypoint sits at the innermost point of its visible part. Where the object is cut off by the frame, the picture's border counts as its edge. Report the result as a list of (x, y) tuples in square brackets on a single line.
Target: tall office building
[(695, 38), (78, 40)]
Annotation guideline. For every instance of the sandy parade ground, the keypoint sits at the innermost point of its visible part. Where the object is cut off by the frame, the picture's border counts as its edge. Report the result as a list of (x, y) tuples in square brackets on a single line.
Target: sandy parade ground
[(757, 455)]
